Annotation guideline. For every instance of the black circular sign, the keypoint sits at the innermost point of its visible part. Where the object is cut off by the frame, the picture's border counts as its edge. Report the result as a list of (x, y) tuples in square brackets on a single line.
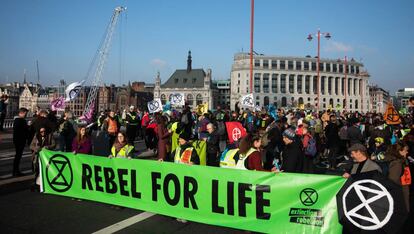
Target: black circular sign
[(59, 173), (308, 196)]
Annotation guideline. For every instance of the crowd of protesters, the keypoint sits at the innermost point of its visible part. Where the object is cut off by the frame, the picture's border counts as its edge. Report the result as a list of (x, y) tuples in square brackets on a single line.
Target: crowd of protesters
[(278, 141)]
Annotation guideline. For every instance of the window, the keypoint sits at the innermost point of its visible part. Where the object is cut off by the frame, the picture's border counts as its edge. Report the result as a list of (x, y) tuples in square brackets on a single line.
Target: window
[(238, 75), (349, 86), (357, 69), (299, 82), (274, 83), (257, 63), (274, 64), (335, 67), (355, 87), (329, 67), (290, 65), (266, 82), (323, 80), (329, 85), (321, 66), (190, 99), (291, 83), (315, 84), (257, 82), (353, 71), (313, 66), (342, 86), (336, 85), (282, 64), (265, 63), (306, 66), (298, 65), (199, 99), (185, 80), (283, 83), (194, 80), (307, 84), (341, 68)]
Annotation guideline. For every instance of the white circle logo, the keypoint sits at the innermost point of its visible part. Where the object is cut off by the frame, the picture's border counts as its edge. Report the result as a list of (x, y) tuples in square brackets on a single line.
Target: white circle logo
[(236, 134), (353, 216)]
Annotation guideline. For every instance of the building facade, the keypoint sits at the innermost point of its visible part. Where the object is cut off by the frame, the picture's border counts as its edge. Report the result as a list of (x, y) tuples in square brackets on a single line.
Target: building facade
[(292, 81), (379, 99), (402, 97), (223, 98), (195, 84)]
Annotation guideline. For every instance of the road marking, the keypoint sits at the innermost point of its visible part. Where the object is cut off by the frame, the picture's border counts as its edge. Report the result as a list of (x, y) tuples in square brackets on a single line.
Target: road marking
[(8, 158), (10, 175), (125, 223)]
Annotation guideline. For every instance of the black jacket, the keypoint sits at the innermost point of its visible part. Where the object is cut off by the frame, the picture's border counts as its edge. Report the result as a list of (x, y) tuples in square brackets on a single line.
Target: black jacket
[(20, 131), (331, 134), (213, 146), (292, 158)]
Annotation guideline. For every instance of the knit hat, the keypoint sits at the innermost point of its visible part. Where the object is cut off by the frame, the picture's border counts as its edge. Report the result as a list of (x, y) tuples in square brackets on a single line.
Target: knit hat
[(185, 136), (289, 133), (357, 147)]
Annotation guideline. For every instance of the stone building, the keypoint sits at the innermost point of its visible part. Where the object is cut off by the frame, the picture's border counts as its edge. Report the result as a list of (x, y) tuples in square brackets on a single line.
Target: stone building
[(195, 84), (223, 98), (292, 81), (379, 99)]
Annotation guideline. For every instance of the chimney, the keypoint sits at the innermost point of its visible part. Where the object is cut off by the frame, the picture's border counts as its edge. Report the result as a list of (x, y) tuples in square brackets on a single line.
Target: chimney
[(189, 61)]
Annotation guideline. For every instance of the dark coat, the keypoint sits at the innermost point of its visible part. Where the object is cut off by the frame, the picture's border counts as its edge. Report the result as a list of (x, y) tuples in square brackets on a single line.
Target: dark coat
[(213, 141), (331, 134), (292, 158), (355, 135), (20, 131)]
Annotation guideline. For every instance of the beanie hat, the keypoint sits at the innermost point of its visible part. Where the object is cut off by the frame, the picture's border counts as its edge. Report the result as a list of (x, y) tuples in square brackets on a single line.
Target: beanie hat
[(289, 133), (185, 136)]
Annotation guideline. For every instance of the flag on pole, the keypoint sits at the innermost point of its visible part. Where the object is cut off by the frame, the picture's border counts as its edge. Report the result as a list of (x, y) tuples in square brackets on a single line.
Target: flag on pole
[(154, 106), (58, 104), (235, 131), (73, 90), (247, 101)]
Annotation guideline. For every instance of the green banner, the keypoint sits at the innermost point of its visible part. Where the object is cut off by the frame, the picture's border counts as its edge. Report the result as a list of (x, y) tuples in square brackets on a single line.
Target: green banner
[(250, 200)]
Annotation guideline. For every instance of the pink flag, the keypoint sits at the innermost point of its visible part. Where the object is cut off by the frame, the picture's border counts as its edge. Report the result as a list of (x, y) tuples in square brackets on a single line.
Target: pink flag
[(58, 104)]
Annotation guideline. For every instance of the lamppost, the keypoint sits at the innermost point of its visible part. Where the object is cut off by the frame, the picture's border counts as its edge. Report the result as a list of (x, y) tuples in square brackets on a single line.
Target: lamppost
[(327, 36)]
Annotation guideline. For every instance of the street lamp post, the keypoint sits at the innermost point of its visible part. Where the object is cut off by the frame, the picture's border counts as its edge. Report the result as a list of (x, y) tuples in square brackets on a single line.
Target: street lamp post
[(327, 36)]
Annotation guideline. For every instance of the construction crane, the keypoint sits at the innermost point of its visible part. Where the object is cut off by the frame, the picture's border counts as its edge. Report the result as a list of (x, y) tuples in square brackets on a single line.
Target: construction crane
[(100, 59)]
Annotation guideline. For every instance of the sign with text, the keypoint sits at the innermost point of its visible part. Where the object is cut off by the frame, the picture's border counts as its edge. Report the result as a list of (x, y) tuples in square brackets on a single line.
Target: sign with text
[(249, 200)]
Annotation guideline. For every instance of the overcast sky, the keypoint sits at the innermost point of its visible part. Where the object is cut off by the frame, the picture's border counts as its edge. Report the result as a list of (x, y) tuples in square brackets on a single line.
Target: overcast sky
[(156, 36)]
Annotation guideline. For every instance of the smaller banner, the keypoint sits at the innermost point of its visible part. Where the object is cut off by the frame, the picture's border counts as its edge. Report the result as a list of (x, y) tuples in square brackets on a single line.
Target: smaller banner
[(58, 104), (154, 105), (247, 101), (72, 91), (235, 131), (177, 99), (391, 116), (202, 109)]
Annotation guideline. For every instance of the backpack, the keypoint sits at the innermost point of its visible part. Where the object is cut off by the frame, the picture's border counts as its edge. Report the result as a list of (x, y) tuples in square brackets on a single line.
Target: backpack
[(310, 150)]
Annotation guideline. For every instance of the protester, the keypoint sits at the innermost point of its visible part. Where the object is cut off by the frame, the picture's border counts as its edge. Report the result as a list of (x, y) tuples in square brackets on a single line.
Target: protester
[(362, 163), (111, 126), (213, 147), (82, 142), (132, 121), (399, 170), (41, 140), (185, 152), (121, 148), (292, 155), (163, 138), (249, 153), (66, 132), (20, 139), (332, 140)]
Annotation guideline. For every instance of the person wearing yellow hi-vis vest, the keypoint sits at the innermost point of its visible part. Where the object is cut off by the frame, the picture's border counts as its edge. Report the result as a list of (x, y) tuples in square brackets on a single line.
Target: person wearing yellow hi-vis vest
[(175, 133), (121, 148), (185, 152)]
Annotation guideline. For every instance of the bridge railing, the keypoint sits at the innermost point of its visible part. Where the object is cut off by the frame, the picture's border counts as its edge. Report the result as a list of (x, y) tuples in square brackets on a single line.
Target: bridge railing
[(8, 123)]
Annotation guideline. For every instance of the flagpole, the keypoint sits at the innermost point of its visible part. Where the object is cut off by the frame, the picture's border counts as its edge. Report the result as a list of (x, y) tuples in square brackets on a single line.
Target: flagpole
[(251, 45)]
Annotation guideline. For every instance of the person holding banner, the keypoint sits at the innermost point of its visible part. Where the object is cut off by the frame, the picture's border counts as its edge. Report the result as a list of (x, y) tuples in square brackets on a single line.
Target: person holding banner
[(41, 140), (249, 153), (121, 148), (82, 142), (185, 152)]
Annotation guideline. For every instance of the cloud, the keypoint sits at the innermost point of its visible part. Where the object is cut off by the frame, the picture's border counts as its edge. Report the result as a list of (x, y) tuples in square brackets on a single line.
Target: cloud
[(336, 46), (159, 63)]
